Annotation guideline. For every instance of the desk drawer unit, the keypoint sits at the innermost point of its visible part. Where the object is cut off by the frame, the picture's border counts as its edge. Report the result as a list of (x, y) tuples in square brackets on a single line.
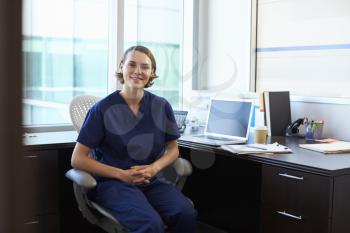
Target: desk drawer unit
[(41, 196), (294, 201)]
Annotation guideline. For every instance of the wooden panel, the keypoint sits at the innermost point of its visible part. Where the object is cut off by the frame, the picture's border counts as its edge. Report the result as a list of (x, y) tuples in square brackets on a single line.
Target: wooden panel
[(41, 171), (294, 193), (341, 205), (274, 222), (225, 191)]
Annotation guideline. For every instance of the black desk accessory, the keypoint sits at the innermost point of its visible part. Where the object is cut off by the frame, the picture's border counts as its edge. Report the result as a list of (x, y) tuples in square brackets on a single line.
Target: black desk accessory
[(277, 112), (180, 117), (297, 128)]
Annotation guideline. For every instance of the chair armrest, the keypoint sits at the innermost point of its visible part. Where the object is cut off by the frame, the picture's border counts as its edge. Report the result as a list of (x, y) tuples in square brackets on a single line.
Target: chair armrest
[(182, 167), (81, 178)]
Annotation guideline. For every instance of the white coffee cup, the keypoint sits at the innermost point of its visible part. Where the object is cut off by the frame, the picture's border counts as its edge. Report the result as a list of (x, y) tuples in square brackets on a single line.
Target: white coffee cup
[(260, 134)]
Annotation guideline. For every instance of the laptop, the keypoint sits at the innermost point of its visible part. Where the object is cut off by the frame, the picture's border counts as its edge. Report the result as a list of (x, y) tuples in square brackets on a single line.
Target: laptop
[(228, 122)]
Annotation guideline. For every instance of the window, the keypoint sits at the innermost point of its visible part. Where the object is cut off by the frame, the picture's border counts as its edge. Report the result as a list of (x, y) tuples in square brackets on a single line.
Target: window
[(158, 25), (65, 53), (304, 47), (69, 47)]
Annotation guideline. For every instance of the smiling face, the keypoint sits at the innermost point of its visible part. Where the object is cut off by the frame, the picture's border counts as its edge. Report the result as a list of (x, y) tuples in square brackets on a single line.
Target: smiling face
[(137, 70)]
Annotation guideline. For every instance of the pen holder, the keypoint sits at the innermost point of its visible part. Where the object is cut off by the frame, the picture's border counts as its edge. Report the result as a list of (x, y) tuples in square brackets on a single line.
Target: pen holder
[(313, 130)]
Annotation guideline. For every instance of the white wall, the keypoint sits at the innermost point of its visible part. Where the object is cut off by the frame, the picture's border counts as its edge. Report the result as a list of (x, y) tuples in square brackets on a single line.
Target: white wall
[(224, 54), (335, 116)]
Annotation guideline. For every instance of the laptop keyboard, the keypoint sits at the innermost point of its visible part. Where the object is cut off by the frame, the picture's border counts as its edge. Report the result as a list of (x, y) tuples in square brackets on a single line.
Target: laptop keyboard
[(180, 117), (216, 138)]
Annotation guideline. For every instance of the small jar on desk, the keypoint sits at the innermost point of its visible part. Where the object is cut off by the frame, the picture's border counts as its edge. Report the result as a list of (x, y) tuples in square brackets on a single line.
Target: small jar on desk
[(313, 130)]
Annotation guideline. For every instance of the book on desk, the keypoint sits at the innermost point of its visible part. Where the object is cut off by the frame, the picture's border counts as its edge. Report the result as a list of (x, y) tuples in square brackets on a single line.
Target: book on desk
[(274, 148), (336, 147)]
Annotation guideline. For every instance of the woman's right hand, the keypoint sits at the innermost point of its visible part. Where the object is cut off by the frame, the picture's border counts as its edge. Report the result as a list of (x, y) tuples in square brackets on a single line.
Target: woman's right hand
[(82, 161), (132, 176)]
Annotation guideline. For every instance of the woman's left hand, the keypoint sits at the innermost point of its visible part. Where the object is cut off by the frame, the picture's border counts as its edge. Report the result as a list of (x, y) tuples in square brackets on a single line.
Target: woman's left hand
[(147, 171)]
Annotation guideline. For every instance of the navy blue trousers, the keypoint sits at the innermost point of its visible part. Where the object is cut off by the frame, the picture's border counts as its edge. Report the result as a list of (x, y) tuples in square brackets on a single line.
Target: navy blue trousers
[(146, 208)]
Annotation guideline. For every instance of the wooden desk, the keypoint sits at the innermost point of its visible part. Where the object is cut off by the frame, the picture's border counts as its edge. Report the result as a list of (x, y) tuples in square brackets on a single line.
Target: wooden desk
[(304, 191), (311, 185)]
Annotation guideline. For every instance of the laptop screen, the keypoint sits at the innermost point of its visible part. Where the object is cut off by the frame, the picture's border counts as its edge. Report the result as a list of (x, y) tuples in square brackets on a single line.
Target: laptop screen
[(229, 117)]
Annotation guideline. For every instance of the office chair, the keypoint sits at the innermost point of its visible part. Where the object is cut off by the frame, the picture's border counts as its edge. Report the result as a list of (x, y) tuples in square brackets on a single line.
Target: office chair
[(83, 181)]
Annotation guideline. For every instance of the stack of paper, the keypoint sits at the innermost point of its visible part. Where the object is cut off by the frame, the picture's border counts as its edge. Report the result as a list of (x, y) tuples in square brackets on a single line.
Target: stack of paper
[(274, 148), (328, 148)]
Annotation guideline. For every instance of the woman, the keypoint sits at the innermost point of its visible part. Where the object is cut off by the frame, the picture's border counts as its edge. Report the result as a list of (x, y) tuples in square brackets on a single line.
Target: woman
[(133, 134)]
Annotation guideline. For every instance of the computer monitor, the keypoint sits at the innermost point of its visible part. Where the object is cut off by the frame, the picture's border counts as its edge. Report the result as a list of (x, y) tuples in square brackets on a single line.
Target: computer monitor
[(229, 117)]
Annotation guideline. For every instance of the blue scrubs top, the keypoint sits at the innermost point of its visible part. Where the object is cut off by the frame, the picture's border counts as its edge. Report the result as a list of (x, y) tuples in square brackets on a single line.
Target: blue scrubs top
[(122, 139)]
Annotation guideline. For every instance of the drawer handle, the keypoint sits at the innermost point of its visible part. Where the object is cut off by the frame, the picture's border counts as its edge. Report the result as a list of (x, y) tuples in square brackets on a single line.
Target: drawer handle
[(284, 213), (291, 177), (31, 156), (32, 222)]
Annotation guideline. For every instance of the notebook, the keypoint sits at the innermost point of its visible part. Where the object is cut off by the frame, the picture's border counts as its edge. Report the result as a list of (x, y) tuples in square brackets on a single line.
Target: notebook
[(328, 148), (274, 148), (228, 122)]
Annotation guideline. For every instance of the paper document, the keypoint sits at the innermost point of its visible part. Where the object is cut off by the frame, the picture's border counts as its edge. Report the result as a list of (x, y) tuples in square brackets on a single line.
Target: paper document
[(328, 148), (274, 148)]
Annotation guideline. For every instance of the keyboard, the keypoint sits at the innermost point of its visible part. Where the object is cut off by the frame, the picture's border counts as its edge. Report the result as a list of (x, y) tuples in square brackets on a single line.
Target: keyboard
[(214, 137), (180, 117)]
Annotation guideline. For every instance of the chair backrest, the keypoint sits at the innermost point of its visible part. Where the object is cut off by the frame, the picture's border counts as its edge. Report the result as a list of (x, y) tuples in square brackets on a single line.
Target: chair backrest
[(78, 108)]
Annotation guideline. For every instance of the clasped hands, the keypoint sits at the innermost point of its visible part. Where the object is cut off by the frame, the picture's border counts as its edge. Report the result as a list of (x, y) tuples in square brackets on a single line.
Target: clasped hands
[(140, 174)]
